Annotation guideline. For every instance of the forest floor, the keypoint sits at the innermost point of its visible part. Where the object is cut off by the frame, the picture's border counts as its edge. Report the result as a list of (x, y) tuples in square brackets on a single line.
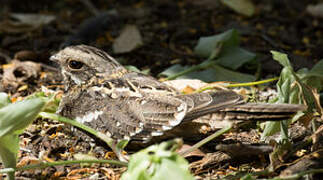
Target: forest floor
[(169, 31)]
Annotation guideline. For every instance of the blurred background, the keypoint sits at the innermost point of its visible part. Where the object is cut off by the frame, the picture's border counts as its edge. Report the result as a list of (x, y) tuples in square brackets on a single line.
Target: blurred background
[(156, 35)]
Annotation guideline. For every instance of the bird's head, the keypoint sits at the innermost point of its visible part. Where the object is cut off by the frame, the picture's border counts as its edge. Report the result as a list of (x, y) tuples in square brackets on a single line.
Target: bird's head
[(80, 63)]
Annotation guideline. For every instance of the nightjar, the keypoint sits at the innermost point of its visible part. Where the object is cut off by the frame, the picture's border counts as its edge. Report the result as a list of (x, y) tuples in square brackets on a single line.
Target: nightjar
[(102, 94)]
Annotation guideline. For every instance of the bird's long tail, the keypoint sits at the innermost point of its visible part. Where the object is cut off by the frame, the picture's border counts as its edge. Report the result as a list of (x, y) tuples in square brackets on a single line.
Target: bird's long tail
[(228, 105)]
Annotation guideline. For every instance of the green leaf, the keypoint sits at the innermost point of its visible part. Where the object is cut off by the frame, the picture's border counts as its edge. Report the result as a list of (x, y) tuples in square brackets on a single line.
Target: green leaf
[(14, 118), (132, 68), (314, 77), (172, 70), (17, 116), (4, 99), (222, 49), (157, 162), (122, 144), (248, 177), (271, 127), (284, 84), (317, 70), (293, 89), (281, 58), (223, 74), (210, 46), (213, 73), (173, 171), (9, 151), (244, 7), (290, 87), (235, 57)]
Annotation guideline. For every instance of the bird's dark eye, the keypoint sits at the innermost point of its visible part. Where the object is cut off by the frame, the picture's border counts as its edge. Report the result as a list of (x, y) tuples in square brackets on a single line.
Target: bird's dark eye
[(75, 64)]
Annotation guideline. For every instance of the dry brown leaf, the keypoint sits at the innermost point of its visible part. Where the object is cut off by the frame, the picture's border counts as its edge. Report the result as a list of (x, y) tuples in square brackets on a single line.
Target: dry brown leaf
[(27, 160), (128, 40), (315, 10), (79, 173), (188, 90), (17, 72)]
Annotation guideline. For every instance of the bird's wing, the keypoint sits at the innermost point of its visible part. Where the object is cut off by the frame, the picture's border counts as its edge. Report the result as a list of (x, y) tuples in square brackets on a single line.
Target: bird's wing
[(123, 109), (205, 103), (142, 113), (163, 113)]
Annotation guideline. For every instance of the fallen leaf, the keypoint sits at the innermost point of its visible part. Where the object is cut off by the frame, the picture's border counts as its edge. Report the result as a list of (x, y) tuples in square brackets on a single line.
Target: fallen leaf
[(244, 7), (28, 160), (34, 20), (24, 22), (315, 10), (17, 72), (128, 40)]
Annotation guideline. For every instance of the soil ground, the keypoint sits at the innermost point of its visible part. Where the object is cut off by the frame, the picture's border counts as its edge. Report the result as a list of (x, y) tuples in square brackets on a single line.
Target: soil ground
[(170, 30)]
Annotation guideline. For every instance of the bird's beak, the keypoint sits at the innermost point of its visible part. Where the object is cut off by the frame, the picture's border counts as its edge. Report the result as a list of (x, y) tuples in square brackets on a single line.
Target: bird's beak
[(54, 58)]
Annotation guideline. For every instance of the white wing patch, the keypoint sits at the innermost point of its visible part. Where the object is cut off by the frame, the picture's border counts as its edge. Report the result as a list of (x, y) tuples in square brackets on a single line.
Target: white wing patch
[(89, 117), (179, 116)]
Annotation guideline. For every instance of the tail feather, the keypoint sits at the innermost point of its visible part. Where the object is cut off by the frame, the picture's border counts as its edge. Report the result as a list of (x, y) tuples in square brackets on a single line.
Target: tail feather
[(228, 105), (266, 107)]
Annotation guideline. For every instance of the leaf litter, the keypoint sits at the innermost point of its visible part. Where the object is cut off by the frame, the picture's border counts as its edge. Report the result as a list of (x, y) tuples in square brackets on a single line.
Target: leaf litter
[(46, 140)]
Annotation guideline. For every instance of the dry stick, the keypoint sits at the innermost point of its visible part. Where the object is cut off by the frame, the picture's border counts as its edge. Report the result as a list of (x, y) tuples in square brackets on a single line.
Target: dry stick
[(91, 7), (205, 140), (60, 163)]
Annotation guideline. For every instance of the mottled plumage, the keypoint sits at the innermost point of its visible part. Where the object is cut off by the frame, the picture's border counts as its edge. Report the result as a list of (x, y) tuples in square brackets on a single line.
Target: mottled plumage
[(102, 94)]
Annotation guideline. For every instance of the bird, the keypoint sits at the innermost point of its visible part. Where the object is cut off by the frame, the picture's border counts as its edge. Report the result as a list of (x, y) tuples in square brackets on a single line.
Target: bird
[(101, 93)]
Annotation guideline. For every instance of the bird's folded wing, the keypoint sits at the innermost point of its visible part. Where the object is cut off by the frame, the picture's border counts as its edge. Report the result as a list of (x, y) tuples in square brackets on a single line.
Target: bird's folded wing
[(206, 103), (149, 115), (152, 115), (166, 112)]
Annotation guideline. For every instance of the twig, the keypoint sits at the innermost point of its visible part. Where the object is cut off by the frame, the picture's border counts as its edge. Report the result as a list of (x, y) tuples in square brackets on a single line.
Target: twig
[(60, 163), (240, 84), (205, 140), (91, 7)]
